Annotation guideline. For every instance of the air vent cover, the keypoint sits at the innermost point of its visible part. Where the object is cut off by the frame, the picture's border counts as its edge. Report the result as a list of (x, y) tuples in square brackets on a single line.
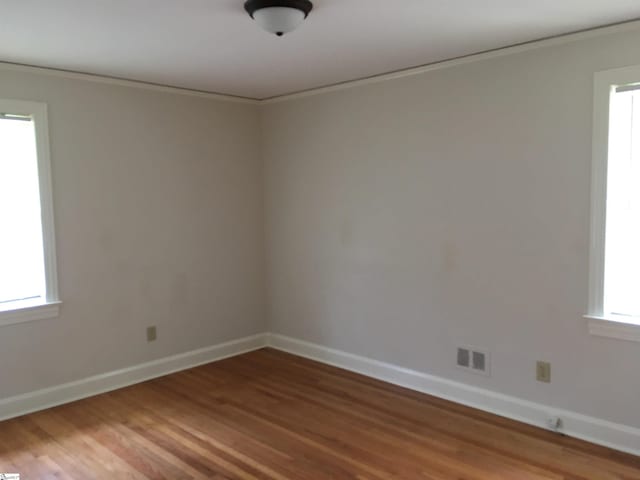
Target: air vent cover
[(473, 359), (463, 357), (479, 361)]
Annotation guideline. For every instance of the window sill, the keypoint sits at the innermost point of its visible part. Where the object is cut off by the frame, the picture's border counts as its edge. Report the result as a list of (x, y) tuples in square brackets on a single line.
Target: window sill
[(622, 328), (19, 312)]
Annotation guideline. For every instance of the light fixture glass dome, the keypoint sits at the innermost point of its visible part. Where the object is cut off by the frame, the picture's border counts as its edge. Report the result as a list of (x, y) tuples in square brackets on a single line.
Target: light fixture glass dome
[(279, 20), (278, 16)]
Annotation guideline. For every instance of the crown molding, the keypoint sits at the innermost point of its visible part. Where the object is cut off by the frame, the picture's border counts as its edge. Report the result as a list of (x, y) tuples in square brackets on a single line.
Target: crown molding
[(462, 60), (123, 82), (384, 77)]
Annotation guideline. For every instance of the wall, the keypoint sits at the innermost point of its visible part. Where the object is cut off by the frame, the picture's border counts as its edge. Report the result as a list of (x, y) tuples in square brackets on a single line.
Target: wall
[(158, 209), (403, 218), (450, 208)]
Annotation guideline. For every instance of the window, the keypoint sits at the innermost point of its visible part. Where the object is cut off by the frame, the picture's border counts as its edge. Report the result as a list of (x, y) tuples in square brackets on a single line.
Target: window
[(614, 295), (28, 284)]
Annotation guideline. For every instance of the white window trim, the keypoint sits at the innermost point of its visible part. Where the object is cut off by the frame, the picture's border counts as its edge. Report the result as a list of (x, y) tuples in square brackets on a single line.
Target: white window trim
[(17, 312), (620, 327)]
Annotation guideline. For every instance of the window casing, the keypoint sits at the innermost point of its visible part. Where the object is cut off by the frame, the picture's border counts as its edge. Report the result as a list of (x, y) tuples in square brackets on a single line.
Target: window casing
[(614, 270), (35, 285)]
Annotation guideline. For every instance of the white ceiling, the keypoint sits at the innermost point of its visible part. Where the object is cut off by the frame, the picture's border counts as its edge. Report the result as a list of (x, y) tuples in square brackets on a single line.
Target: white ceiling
[(213, 45)]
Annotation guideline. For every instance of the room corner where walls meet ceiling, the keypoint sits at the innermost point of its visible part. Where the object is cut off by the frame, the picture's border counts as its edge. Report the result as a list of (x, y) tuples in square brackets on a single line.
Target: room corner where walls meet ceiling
[(215, 47)]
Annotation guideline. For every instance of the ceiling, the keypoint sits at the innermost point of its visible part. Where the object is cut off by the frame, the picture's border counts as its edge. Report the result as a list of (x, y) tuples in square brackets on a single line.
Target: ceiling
[(213, 45)]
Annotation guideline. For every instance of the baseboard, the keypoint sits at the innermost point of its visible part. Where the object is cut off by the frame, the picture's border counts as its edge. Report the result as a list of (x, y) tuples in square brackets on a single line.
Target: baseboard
[(69, 392), (594, 430), (601, 432)]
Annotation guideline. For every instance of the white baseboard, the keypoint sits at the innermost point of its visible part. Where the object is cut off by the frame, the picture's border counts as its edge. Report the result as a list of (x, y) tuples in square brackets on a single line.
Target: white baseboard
[(602, 432), (594, 430), (69, 392)]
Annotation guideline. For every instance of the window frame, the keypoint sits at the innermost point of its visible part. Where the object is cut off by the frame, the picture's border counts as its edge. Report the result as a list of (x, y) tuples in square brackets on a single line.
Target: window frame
[(618, 326), (23, 311)]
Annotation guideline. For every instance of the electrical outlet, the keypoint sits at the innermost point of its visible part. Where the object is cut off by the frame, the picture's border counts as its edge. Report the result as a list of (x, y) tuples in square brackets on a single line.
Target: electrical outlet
[(543, 372), (152, 334), (554, 423)]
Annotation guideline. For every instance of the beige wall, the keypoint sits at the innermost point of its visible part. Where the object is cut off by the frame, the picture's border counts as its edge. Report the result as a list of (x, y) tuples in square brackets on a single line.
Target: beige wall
[(403, 218), (450, 208), (158, 206)]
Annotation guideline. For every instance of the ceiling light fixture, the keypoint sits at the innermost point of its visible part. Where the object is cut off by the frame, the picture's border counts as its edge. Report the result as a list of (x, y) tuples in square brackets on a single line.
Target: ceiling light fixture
[(278, 16)]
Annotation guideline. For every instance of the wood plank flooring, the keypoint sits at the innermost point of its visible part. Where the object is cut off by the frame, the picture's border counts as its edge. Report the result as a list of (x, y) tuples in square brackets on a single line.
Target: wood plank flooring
[(269, 415)]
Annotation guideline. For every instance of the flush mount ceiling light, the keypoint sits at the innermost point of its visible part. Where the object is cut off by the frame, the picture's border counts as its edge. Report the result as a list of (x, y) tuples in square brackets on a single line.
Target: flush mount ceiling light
[(278, 16)]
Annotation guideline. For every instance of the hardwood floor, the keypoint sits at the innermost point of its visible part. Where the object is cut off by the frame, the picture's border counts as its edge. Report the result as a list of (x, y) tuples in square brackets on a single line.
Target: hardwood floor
[(269, 415)]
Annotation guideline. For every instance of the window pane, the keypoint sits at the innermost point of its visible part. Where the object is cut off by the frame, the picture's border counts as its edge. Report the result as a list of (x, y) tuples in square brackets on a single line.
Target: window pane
[(622, 253), (21, 252)]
